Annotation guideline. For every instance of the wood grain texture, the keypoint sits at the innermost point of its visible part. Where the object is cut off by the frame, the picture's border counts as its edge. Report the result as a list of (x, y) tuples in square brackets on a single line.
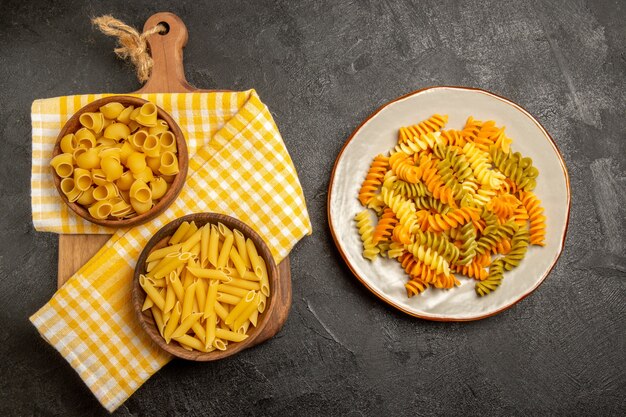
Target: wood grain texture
[(73, 124), (168, 76), (75, 251)]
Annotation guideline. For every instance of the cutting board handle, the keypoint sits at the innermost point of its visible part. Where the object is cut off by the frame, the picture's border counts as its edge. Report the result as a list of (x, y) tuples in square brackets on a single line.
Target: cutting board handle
[(166, 49)]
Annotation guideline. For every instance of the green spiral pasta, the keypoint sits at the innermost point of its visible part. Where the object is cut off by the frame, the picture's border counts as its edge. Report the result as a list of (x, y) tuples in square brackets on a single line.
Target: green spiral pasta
[(492, 235), (440, 244), (520, 169), (493, 280), (467, 235), (462, 201), (410, 190), (452, 158), (519, 246), (431, 203)]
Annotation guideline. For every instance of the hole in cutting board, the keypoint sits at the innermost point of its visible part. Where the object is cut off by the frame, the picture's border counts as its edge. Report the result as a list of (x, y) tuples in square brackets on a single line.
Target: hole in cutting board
[(167, 28)]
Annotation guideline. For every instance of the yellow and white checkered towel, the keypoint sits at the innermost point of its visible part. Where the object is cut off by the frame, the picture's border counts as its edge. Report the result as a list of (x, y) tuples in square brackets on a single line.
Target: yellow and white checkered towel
[(238, 166)]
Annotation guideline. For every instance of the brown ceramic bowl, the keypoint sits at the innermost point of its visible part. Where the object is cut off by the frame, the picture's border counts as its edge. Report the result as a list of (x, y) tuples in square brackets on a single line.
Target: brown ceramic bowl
[(159, 240), (73, 125)]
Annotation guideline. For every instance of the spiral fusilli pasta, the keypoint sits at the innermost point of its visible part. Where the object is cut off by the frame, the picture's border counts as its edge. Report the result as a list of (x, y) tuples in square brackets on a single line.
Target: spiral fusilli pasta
[(451, 201)]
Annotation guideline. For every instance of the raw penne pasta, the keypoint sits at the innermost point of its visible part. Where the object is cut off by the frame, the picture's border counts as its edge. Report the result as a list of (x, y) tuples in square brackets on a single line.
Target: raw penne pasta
[(158, 318), (218, 343), (174, 281), (245, 313), (248, 275), (265, 284), (213, 245), (243, 329), (245, 284), (179, 233), (228, 298), (147, 304), (188, 299), (186, 324), (209, 273), (200, 288), (226, 246), (190, 231), (254, 257), (239, 264), (205, 235), (195, 251), (191, 342), (210, 327), (254, 317), (148, 286), (163, 252), (228, 289), (199, 331), (201, 293), (191, 242), (240, 242), (262, 303), (170, 299), (172, 322), (221, 311), (241, 306), (209, 306), (229, 335)]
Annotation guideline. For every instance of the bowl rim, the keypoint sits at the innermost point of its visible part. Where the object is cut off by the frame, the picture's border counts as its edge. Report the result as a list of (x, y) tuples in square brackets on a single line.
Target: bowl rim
[(175, 187), (393, 303), (138, 296)]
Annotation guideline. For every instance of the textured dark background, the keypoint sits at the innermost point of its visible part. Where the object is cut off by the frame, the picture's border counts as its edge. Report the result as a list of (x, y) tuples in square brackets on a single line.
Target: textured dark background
[(322, 67)]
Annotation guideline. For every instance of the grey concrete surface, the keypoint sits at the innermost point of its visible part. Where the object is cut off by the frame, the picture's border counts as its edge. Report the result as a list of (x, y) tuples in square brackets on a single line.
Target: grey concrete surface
[(322, 67)]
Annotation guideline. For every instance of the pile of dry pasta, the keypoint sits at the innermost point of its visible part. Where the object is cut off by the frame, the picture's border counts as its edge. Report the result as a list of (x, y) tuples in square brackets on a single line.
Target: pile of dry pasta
[(120, 163), (451, 202), (206, 287)]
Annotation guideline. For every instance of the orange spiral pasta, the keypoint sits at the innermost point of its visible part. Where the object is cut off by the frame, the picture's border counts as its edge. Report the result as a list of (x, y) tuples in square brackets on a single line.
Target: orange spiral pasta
[(385, 226), (433, 181), (476, 269), (536, 217), (433, 124), (418, 269), (452, 202), (452, 137), (401, 234), (415, 286), (503, 206), (452, 220), (404, 168), (373, 179)]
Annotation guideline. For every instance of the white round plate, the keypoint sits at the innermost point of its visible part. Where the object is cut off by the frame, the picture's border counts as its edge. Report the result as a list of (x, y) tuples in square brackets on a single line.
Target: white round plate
[(385, 277)]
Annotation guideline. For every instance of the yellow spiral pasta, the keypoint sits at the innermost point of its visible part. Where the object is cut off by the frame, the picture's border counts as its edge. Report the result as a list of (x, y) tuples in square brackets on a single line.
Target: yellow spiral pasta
[(451, 201), (366, 230)]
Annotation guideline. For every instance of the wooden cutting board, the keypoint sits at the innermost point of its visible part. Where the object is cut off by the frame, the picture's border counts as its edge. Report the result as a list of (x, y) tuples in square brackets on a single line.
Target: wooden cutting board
[(168, 76)]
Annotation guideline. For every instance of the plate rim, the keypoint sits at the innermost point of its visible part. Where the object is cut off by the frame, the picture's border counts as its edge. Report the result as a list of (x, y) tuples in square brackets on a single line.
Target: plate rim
[(445, 318)]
